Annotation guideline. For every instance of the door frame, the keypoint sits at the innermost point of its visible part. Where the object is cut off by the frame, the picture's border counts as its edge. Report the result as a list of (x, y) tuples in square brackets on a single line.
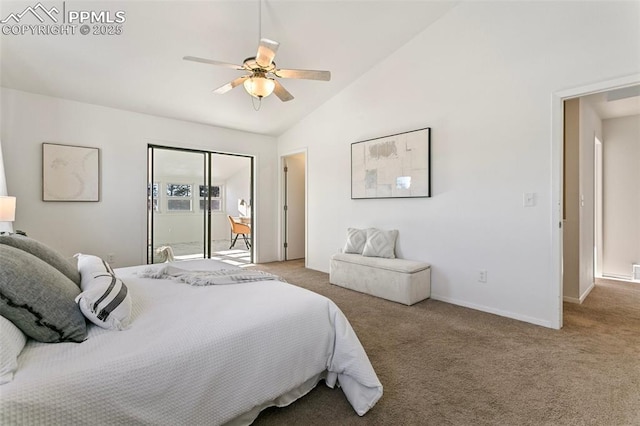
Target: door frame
[(281, 198), (557, 160), (207, 214)]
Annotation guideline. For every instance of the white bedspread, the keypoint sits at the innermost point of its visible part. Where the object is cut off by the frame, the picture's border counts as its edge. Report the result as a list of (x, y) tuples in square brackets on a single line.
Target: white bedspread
[(193, 355)]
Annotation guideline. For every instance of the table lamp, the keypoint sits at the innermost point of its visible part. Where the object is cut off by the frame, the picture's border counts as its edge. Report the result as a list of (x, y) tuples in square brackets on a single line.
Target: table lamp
[(7, 208), (7, 213)]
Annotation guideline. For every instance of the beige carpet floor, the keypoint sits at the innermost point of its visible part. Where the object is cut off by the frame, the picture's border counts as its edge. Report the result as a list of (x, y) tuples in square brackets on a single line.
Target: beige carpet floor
[(442, 364)]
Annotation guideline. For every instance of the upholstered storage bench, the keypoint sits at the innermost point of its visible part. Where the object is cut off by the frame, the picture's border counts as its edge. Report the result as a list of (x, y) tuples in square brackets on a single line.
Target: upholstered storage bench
[(398, 280)]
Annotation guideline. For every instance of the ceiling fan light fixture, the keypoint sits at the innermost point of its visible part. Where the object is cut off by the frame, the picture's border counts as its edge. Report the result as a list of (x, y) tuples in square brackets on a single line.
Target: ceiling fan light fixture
[(259, 86)]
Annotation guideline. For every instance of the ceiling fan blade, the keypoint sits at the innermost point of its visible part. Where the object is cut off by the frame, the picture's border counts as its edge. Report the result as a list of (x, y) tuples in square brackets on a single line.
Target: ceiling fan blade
[(281, 92), (304, 74), (212, 62), (266, 52), (224, 89)]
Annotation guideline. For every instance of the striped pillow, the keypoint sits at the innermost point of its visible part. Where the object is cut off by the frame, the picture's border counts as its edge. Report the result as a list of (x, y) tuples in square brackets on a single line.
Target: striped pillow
[(105, 300)]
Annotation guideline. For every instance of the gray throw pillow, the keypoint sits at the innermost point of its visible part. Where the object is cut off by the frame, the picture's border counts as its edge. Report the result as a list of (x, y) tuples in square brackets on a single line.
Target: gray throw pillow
[(38, 298), (44, 253), (355, 240), (380, 243)]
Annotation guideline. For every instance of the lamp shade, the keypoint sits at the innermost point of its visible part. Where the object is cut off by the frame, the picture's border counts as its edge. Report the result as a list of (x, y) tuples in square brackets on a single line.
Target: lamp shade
[(259, 87), (7, 208)]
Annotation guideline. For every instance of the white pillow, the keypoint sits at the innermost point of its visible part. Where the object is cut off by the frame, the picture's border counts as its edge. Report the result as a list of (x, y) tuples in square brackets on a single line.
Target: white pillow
[(380, 243), (88, 264), (355, 240), (105, 300), (12, 340)]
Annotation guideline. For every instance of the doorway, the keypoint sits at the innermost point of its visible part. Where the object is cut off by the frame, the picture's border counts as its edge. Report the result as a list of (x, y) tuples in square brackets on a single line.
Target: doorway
[(581, 165), (294, 203), (192, 197)]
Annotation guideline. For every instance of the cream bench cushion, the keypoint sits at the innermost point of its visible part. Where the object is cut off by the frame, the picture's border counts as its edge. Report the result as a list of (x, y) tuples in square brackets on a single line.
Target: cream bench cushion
[(399, 280)]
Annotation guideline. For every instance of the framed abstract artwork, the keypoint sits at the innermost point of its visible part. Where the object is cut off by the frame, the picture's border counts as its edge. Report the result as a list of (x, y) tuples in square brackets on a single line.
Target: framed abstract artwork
[(70, 173), (395, 166)]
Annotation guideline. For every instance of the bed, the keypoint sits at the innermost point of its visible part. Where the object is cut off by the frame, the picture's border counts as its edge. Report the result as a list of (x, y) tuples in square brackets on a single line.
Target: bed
[(193, 355)]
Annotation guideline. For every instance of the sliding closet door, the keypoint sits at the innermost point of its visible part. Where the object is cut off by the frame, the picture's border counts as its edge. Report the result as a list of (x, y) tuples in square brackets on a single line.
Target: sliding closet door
[(193, 200), (231, 183), (177, 202)]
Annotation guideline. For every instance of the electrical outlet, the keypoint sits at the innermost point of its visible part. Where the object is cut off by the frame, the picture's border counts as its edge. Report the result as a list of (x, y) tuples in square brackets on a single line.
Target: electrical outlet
[(482, 276), (111, 257)]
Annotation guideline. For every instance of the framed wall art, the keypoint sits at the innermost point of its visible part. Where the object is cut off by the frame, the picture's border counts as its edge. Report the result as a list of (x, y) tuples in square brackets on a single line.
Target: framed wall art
[(70, 173), (395, 166)]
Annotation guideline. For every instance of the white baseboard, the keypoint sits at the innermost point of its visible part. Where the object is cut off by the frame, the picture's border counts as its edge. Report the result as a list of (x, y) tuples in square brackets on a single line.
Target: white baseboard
[(507, 314), (582, 296), (617, 277)]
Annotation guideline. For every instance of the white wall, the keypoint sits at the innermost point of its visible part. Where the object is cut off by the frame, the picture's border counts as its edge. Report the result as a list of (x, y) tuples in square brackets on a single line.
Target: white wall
[(482, 77), (184, 227), (621, 195), (238, 186), (590, 127), (116, 224), (599, 211), (178, 227), (4, 226), (178, 167)]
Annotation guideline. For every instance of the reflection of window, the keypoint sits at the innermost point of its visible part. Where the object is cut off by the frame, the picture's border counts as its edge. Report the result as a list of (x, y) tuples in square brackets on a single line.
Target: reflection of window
[(179, 205), (152, 194), (215, 194), (216, 205), (179, 197), (178, 190)]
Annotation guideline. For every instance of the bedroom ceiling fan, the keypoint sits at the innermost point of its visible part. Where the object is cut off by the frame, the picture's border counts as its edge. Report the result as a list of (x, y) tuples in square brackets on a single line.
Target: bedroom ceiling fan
[(259, 82)]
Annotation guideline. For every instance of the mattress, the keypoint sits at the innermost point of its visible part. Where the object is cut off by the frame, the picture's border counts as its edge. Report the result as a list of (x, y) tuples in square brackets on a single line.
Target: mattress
[(193, 355)]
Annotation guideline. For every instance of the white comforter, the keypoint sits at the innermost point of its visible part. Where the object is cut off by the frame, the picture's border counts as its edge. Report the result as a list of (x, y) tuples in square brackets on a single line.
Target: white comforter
[(193, 355)]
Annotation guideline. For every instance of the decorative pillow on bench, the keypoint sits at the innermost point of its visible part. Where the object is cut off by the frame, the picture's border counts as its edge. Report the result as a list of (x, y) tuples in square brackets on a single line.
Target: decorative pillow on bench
[(380, 243), (356, 239), (371, 242)]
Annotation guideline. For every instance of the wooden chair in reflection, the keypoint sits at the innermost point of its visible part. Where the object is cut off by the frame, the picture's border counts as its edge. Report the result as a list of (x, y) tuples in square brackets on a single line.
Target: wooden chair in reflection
[(238, 229)]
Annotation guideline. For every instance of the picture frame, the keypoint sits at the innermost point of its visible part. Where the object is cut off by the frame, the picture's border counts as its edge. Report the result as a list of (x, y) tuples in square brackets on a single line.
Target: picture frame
[(394, 166), (70, 173)]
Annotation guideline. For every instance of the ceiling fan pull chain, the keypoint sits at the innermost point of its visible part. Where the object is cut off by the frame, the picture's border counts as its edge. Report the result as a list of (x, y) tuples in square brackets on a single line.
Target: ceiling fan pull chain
[(253, 101)]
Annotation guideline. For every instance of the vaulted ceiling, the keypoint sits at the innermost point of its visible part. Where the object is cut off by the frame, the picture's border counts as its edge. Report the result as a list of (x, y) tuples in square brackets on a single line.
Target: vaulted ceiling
[(142, 69)]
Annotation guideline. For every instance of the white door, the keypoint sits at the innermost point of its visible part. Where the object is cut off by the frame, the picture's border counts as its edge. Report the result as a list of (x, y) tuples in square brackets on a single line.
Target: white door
[(294, 208)]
